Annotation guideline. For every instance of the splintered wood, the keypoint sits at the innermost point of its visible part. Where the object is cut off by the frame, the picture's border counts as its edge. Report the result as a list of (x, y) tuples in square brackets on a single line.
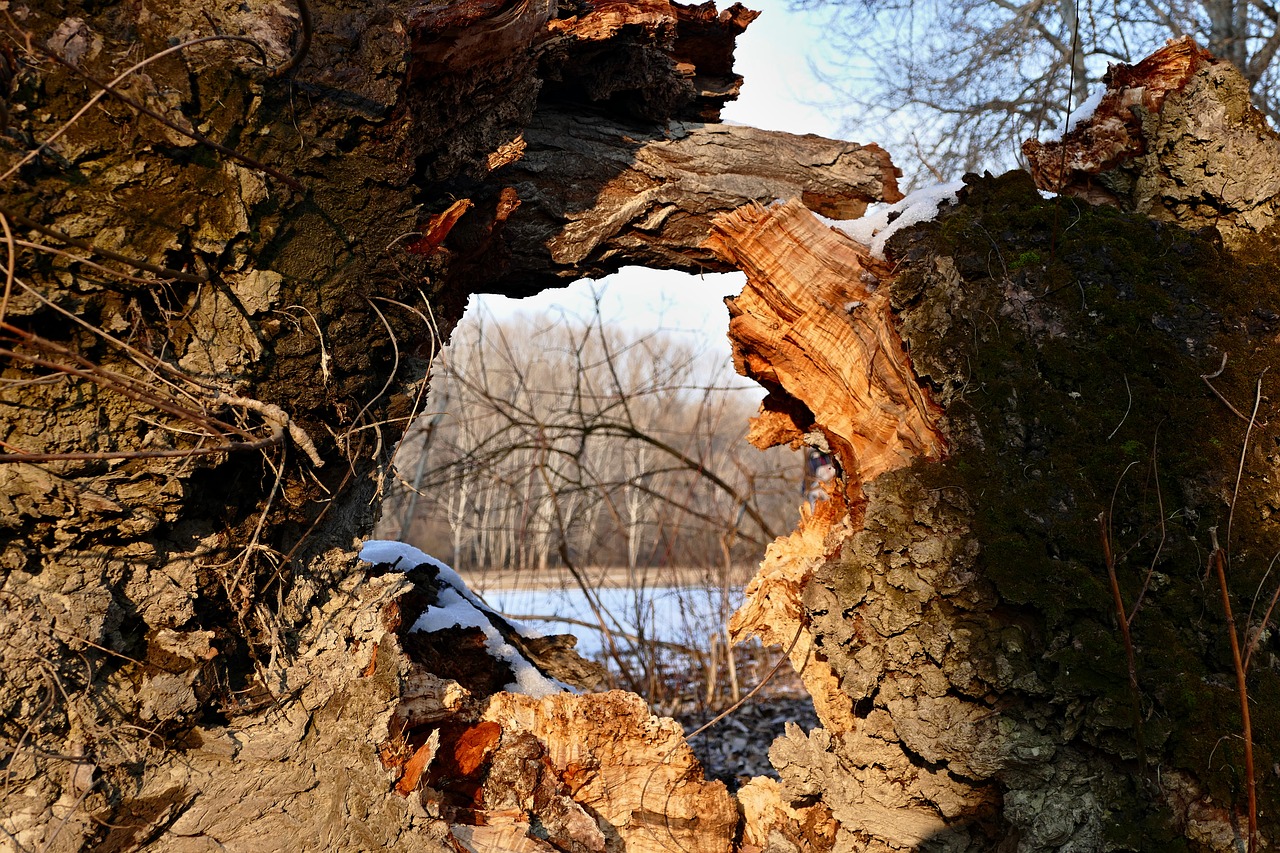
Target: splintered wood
[(1174, 137), (599, 773), (1114, 132), (815, 329), (773, 610)]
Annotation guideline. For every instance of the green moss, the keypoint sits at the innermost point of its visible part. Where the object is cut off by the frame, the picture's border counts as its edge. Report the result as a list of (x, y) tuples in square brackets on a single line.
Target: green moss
[(1085, 333), (1026, 259)]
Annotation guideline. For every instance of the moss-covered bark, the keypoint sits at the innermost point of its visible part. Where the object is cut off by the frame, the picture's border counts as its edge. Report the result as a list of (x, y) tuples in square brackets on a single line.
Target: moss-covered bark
[(971, 620)]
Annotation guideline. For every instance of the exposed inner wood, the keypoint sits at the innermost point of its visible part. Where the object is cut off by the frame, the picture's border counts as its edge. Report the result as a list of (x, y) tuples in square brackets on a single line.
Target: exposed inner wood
[(609, 757), (596, 195), (813, 324), (1175, 137)]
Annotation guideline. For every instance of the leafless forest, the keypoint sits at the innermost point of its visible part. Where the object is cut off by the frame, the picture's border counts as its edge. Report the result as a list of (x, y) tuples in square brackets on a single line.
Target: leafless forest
[(565, 442)]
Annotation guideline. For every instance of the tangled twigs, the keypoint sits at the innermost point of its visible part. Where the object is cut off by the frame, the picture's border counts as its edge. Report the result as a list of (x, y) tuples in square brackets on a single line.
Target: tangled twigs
[(276, 416), (144, 393)]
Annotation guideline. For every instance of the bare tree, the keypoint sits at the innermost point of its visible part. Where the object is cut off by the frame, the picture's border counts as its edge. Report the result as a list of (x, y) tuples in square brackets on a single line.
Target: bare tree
[(957, 86), (569, 442)]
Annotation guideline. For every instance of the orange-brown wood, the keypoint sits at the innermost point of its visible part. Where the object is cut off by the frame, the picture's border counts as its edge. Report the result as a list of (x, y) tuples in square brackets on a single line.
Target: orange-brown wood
[(814, 327), (1114, 132)]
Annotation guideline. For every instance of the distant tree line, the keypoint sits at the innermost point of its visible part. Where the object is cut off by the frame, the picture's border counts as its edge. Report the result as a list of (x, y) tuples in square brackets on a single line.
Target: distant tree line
[(570, 442)]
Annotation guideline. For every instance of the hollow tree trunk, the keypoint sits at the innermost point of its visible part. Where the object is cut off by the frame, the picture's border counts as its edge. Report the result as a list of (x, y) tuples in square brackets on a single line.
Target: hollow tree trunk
[(229, 276), (207, 360)]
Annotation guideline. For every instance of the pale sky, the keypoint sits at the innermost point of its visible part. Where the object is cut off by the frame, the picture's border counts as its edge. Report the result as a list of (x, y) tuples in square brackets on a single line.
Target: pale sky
[(778, 94)]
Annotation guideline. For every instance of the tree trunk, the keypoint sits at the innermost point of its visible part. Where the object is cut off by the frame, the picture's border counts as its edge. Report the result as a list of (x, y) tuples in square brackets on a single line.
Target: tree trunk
[(229, 276), (1016, 614)]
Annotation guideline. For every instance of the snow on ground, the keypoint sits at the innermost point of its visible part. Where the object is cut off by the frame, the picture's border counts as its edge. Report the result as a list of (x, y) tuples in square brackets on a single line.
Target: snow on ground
[(457, 607), (882, 221)]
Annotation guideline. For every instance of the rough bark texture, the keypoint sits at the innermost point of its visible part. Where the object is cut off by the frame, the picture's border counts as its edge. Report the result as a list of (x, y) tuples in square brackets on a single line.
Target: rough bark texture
[(1176, 138), (598, 193), (207, 360), (956, 625)]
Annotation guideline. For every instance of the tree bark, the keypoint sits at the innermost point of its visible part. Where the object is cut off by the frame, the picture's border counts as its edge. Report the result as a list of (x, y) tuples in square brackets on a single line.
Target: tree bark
[(954, 614), (229, 275), (1175, 138), (602, 193), (209, 352)]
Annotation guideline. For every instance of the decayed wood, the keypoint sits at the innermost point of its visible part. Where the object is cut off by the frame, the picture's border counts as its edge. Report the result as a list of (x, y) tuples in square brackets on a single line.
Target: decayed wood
[(773, 609), (813, 324), (1175, 137), (262, 692), (695, 41), (147, 592), (307, 303), (771, 822), (602, 194), (590, 773)]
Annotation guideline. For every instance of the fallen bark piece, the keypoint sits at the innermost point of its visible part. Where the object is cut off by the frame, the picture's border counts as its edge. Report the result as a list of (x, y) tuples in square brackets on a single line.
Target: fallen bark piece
[(630, 769), (1174, 137), (812, 324)]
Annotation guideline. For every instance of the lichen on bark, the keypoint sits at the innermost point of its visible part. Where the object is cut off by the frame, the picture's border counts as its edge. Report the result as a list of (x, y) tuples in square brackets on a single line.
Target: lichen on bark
[(967, 615)]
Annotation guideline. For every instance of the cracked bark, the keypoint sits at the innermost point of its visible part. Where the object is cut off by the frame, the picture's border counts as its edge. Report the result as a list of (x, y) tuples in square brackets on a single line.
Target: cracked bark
[(192, 656), (950, 605)]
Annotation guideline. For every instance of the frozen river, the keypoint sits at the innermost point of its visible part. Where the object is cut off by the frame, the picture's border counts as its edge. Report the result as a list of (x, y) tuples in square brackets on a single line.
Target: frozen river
[(684, 615)]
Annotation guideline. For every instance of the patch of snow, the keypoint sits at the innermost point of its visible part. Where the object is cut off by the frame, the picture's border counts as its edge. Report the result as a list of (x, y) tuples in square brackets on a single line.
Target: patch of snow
[(407, 558), (403, 557), (454, 611), (451, 610), (458, 607), (882, 221), (1086, 110), (1081, 113)]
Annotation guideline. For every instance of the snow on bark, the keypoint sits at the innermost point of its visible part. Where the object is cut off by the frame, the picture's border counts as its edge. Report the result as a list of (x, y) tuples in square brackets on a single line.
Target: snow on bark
[(1174, 137)]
